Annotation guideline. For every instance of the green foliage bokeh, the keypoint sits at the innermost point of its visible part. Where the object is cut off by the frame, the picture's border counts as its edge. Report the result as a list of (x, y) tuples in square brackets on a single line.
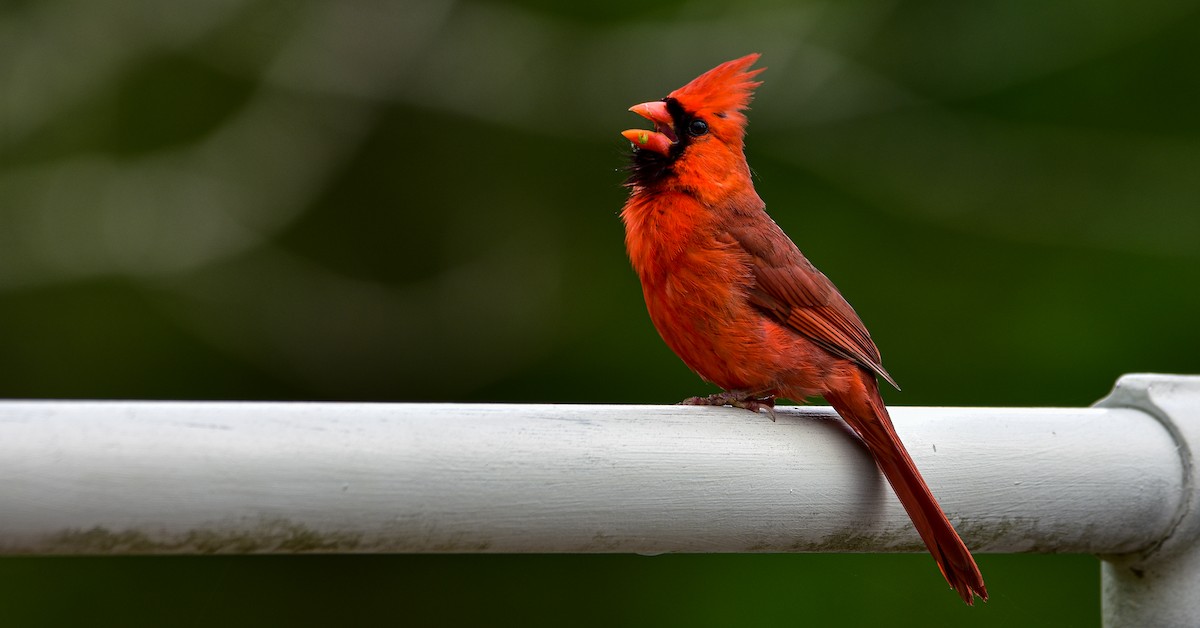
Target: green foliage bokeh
[(416, 200)]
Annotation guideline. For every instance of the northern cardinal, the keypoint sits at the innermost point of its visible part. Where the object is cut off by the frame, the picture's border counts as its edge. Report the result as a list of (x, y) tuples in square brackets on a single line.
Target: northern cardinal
[(736, 300)]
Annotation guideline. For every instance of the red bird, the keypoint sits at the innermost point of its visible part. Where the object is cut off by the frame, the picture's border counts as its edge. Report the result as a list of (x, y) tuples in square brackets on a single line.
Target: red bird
[(736, 300)]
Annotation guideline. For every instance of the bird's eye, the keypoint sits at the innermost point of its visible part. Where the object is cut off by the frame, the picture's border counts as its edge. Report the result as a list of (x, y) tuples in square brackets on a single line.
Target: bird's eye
[(697, 127)]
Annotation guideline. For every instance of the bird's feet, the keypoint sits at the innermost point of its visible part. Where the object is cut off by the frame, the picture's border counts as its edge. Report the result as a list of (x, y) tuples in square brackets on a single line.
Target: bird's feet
[(736, 398)]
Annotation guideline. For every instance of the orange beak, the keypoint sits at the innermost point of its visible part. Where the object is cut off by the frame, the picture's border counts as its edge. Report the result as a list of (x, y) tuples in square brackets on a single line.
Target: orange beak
[(662, 137)]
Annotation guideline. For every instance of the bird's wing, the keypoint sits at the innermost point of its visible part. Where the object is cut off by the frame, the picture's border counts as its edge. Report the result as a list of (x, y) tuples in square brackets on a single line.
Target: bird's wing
[(789, 288)]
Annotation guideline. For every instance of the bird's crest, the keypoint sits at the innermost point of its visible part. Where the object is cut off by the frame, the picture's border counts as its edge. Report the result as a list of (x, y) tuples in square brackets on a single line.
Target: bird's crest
[(726, 88)]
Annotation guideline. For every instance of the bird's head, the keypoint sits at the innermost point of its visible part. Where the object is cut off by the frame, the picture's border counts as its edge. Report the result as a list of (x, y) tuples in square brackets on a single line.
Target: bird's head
[(696, 123)]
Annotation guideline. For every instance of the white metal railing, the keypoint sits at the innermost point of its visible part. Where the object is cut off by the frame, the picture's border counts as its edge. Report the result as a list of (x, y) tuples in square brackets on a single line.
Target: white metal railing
[(116, 477)]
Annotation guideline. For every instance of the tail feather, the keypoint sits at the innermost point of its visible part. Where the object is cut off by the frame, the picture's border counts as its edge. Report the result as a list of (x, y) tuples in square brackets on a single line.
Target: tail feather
[(863, 409)]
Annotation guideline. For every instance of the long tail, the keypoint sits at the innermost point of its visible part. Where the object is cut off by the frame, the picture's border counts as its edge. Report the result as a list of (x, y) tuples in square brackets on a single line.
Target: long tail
[(863, 410)]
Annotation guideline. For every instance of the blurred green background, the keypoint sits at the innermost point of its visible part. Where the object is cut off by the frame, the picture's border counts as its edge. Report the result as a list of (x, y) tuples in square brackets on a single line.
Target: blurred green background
[(416, 200)]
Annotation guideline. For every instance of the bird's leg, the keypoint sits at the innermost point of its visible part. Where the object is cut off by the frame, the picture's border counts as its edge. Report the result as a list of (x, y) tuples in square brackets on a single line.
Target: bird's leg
[(752, 401)]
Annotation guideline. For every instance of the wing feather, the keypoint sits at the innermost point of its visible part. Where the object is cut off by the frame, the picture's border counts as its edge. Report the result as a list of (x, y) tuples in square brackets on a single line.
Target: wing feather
[(789, 288)]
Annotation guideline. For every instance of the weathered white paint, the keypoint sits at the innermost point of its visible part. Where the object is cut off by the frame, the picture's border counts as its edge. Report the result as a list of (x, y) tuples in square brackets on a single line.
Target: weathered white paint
[(198, 477), (1160, 586)]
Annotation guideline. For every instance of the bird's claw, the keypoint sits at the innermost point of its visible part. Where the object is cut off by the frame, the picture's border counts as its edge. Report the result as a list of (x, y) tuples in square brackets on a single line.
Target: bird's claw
[(747, 401)]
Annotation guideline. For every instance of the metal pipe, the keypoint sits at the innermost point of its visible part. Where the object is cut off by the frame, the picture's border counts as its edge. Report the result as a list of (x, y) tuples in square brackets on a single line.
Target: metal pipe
[(116, 477)]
